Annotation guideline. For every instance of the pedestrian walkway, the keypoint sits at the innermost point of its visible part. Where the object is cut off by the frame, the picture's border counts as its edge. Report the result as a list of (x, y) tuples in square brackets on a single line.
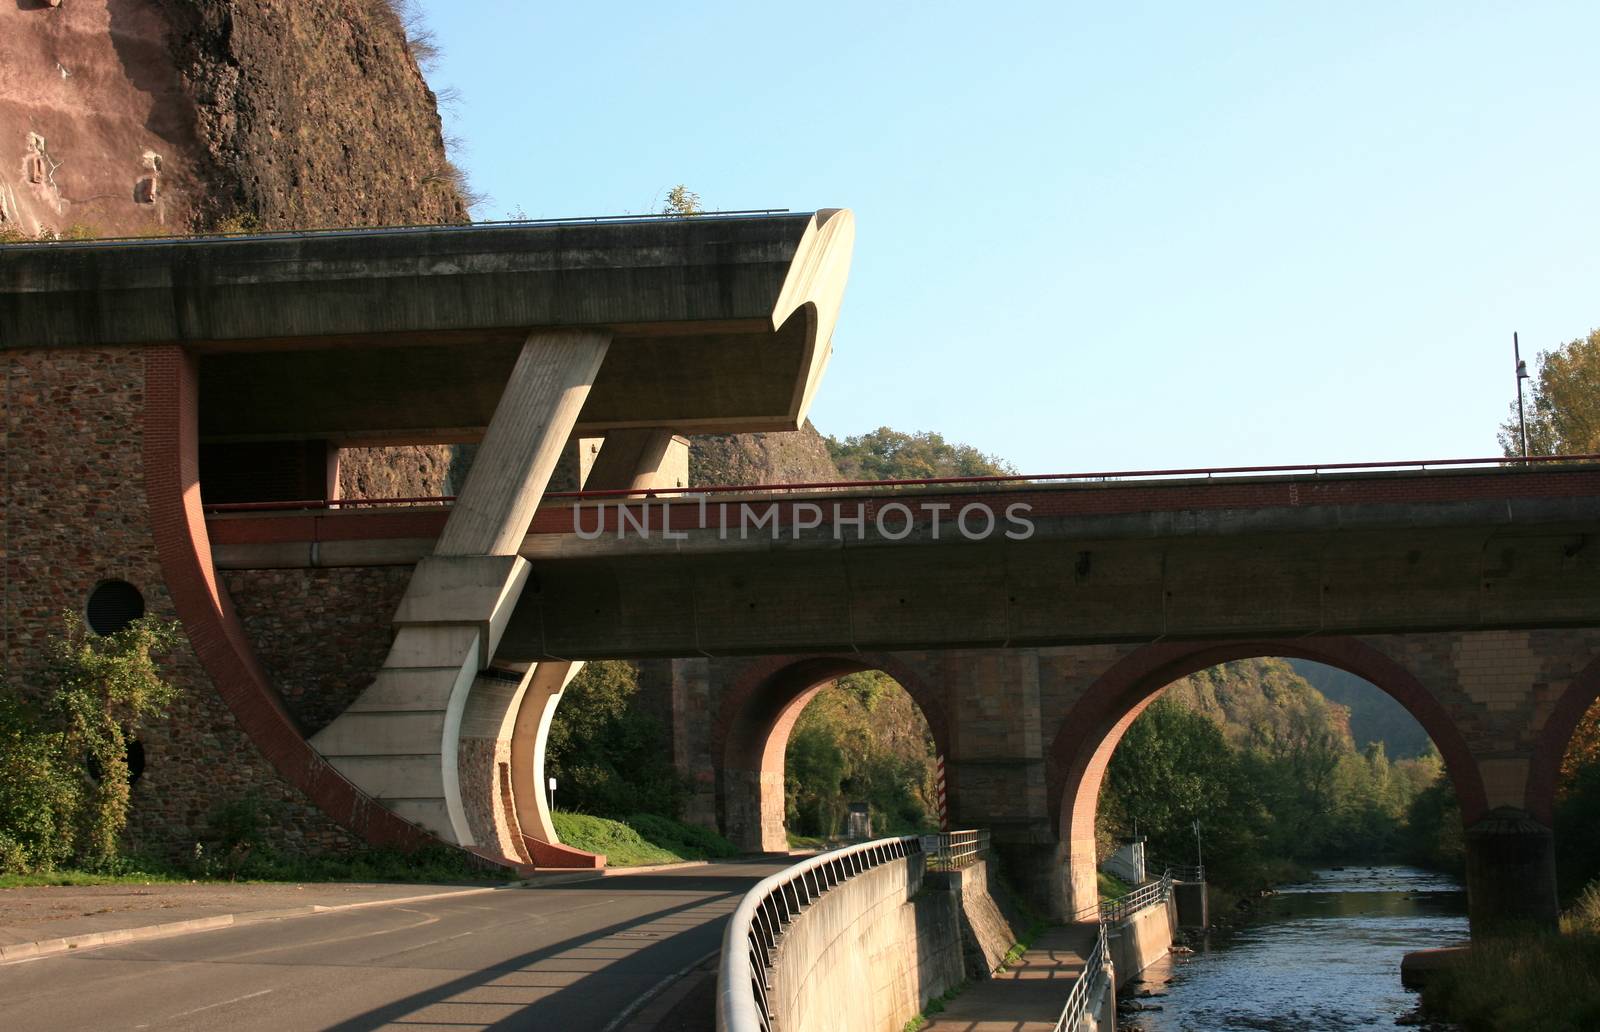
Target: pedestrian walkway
[(1029, 995)]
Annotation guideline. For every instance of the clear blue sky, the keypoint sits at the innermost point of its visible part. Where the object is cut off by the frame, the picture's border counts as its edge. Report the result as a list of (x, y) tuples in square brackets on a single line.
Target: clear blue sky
[(1100, 236)]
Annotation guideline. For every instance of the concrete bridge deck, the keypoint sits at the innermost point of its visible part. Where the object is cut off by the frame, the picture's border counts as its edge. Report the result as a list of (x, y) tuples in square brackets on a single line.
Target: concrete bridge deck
[(890, 567)]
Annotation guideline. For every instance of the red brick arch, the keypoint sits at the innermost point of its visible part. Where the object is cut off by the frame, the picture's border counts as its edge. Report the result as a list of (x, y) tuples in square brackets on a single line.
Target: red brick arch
[(759, 709), (1544, 773), (172, 490), (1083, 747)]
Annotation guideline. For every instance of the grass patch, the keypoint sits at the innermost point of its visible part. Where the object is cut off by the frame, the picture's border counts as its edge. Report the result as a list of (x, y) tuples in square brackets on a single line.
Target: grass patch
[(935, 1006), (1521, 983), (641, 839), (805, 841), (74, 876), (438, 864), (1111, 886)]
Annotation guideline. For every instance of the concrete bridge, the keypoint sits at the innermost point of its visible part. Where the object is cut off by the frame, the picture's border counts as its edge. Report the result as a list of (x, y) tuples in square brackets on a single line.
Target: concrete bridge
[(394, 670)]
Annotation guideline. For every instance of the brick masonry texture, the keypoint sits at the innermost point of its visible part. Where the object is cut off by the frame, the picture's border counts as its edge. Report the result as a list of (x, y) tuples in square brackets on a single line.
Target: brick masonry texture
[(74, 514), (322, 635), (997, 715)]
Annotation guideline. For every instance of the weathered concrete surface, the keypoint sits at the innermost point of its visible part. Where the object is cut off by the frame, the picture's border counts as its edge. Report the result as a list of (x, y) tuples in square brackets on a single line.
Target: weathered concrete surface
[(1193, 904), (1504, 551), (1141, 938), (987, 935), (867, 954), (719, 323)]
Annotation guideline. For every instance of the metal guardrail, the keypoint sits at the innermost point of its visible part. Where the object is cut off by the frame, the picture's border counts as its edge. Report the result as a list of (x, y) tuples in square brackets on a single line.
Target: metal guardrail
[(875, 487), (953, 850), (1155, 893), (1186, 872), (1077, 1005), (1151, 894), (750, 941)]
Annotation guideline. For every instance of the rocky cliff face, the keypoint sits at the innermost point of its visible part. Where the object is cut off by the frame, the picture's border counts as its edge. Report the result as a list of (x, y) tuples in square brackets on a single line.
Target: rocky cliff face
[(137, 117), (313, 114), (152, 117), (779, 458), (146, 117)]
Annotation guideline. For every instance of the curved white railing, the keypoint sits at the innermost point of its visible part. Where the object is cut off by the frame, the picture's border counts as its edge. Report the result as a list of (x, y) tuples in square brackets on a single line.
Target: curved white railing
[(753, 931)]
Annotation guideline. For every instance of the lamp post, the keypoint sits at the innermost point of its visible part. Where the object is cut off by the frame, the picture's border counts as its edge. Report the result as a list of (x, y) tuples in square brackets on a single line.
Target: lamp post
[(1522, 374)]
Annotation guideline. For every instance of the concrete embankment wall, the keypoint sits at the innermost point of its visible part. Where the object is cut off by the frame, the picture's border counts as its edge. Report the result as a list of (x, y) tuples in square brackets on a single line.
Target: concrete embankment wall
[(1141, 939), (870, 952)]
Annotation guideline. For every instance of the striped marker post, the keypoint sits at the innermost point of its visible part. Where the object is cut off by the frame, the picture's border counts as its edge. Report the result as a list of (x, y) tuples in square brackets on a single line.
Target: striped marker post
[(939, 787)]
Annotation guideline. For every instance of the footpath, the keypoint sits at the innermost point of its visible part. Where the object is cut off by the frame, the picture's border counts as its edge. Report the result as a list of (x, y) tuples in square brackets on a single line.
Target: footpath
[(1029, 995), (46, 920)]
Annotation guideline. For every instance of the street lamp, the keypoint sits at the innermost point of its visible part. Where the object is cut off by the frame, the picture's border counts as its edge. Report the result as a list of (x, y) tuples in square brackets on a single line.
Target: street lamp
[(1522, 374)]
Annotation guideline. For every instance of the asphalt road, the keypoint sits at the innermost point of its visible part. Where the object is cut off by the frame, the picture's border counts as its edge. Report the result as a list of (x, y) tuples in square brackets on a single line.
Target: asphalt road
[(556, 958)]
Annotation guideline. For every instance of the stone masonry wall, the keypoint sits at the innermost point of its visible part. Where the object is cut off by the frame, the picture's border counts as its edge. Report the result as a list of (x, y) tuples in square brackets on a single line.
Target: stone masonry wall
[(322, 635), (72, 514)]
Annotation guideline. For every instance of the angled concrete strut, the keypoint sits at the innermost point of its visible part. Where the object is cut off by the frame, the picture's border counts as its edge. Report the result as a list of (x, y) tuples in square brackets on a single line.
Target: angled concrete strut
[(400, 741)]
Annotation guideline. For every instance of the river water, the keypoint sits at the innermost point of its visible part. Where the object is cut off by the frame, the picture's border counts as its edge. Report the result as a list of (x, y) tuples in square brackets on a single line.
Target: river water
[(1324, 955)]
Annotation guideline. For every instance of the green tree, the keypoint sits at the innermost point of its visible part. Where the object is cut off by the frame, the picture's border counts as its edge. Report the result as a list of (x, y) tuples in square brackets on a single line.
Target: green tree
[(1563, 405), (860, 740), (605, 752), (64, 779), (104, 689), (886, 454)]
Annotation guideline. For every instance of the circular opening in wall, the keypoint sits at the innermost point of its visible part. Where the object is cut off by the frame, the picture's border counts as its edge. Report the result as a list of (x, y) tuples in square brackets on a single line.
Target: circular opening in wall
[(113, 605)]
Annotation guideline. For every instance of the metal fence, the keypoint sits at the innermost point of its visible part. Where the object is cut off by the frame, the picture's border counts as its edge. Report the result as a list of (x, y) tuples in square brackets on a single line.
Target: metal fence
[(1078, 1001), (1153, 894), (750, 942), (953, 850)]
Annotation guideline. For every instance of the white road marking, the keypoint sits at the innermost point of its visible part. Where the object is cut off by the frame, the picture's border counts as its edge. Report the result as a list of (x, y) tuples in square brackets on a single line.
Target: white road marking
[(213, 1006)]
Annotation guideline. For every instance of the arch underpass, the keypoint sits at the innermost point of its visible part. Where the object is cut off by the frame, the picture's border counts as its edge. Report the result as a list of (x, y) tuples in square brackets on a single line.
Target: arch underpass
[(751, 734), (1083, 749)]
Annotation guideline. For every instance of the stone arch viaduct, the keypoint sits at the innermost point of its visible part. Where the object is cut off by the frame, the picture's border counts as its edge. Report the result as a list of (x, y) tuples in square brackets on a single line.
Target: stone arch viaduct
[(389, 671)]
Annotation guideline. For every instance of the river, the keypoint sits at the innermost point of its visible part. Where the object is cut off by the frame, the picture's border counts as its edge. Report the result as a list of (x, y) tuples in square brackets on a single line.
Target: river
[(1324, 955)]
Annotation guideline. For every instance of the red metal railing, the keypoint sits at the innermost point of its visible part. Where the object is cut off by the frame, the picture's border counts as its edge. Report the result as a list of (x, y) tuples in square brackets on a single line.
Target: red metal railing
[(1421, 465)]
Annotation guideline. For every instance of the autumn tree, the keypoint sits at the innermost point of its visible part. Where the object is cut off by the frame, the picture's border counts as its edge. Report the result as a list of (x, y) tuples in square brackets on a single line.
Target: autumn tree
[(887, 454), (682, 201), (1564, 406)]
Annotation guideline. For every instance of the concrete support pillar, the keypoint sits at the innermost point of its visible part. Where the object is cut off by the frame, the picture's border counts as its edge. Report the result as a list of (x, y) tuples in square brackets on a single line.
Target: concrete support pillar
[(1511, 874), (402, 740), (637, 462)]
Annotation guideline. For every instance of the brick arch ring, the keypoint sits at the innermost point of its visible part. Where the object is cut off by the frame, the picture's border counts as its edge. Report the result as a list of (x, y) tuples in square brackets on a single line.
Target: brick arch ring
[(172, 492), (1544, 773), (1081, 751), (755, 717)]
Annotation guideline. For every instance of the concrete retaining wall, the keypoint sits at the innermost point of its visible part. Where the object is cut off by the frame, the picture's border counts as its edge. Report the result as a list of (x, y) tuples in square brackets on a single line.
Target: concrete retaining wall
[(868, 954), (987, 935), (1142, 938)]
